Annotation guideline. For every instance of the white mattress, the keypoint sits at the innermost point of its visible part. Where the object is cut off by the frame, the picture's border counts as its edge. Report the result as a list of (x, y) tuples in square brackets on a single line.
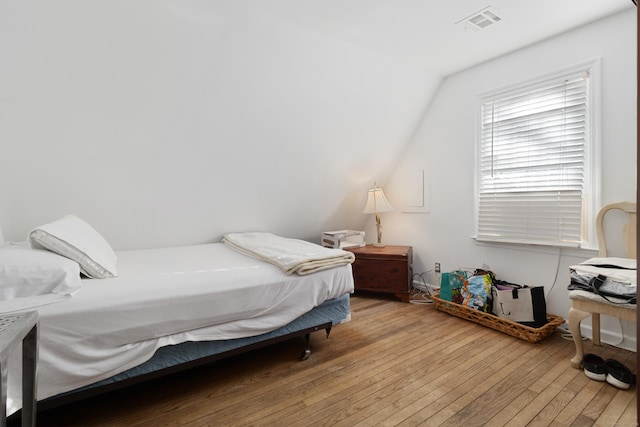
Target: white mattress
[(166, 296)]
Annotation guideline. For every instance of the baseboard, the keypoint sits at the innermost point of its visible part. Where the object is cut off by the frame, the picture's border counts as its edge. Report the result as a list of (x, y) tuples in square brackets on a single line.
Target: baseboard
[(613, 338), (424, 287)]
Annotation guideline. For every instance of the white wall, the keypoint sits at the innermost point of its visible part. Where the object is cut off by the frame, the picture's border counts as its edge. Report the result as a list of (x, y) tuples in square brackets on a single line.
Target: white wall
[(443, 146), (164, 123)]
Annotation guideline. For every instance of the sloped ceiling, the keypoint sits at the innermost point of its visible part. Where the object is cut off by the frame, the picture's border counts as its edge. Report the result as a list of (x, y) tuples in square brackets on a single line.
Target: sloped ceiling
[(424, 32)]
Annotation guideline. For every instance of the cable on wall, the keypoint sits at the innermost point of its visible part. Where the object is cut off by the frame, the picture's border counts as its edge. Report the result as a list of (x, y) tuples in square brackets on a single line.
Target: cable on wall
[(555, 276), (421, 294)]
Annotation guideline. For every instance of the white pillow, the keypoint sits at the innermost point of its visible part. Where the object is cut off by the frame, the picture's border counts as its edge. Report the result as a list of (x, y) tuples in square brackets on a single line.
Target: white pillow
[(73, 238), (26, 272)]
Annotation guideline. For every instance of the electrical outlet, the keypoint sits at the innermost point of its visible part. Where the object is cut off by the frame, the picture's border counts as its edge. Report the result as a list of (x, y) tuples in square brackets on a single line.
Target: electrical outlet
[(437, 267)]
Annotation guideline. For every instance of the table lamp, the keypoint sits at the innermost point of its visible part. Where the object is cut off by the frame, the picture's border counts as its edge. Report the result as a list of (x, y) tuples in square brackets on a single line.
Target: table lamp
[(376, 203)]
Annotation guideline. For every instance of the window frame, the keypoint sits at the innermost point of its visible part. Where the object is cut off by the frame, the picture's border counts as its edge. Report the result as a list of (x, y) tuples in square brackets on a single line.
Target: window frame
[(592, 147)]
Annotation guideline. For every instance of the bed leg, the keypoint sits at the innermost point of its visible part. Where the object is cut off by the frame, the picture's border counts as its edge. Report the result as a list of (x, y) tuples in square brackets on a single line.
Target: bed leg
[(307, 348), (307, 338)]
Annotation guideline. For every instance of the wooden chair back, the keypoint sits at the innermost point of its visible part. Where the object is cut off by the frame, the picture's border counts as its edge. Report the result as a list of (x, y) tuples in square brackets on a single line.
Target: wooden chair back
[(628, 230)]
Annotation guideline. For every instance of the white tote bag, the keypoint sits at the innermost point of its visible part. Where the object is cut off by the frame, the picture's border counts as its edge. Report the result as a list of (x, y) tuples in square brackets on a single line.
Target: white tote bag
[(520, 304)]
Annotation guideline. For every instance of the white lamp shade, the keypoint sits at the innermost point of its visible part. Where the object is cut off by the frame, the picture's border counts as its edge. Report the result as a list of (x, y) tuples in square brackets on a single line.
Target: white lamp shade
[(376, 202)]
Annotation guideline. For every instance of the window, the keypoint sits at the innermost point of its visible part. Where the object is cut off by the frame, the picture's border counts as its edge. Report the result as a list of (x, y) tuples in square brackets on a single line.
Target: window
[(535, 181)]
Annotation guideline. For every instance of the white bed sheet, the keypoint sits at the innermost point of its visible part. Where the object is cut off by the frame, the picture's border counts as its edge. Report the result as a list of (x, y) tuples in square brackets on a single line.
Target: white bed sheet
[(166, 296)]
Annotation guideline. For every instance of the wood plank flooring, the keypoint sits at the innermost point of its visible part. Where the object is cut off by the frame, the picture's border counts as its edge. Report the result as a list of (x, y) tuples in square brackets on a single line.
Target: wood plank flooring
[(393, 364)]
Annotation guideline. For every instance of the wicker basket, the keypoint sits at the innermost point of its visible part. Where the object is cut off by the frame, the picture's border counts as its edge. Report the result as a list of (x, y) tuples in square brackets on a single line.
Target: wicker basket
[(506, 326)]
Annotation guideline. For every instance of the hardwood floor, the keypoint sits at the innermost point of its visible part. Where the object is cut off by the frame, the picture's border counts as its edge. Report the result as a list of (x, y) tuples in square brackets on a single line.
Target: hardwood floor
[(393, 364)]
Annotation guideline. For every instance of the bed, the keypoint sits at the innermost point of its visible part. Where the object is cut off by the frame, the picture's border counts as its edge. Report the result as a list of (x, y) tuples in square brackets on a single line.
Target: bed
[(171, 308)]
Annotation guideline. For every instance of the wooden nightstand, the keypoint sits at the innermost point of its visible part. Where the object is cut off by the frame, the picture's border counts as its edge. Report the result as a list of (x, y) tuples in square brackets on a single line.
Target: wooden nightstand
[(387, 269)]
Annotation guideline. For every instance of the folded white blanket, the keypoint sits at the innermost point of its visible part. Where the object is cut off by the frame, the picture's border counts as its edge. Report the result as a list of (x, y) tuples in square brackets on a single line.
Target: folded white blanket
[(621, 270), (620, 278), (291, 255)]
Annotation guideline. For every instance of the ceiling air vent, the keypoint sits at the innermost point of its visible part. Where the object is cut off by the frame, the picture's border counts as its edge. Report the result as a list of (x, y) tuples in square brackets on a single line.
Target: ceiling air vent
[(480, 20)]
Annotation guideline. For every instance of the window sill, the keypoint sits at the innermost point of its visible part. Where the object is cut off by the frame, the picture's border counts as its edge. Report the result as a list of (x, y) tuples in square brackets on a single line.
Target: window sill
[(585, 251)]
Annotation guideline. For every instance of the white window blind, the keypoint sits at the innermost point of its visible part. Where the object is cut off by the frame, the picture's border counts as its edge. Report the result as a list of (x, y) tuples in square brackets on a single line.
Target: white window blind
[(532, 163)]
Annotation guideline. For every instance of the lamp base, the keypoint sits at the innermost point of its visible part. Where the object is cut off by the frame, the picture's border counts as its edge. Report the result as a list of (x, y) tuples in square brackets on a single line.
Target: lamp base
[(379, 245)]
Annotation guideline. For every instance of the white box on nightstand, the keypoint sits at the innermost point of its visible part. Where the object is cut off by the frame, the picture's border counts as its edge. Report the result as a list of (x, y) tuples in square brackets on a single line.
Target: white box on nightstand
[(343, 239)]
